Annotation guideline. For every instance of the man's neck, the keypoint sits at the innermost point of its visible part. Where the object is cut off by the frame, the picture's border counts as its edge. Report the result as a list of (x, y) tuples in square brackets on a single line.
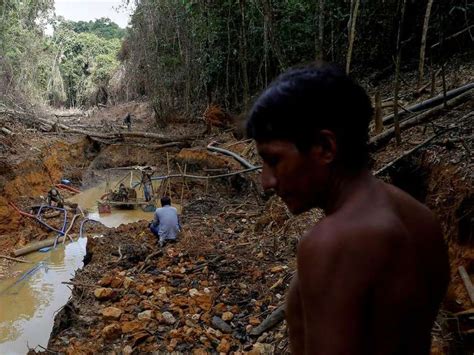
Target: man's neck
[(346, 187)]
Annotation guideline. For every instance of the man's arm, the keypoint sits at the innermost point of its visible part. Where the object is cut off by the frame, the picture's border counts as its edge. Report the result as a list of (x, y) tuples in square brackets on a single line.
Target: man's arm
[(156, 219), (335, 275), (179, 223)]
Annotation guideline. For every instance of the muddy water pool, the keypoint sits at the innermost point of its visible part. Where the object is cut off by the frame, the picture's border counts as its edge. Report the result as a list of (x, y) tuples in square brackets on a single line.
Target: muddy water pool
[(29, 301), (88, 202)]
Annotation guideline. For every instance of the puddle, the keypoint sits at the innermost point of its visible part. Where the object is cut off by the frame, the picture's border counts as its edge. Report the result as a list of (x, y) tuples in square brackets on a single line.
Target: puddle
[(29, 302), (88, 201)]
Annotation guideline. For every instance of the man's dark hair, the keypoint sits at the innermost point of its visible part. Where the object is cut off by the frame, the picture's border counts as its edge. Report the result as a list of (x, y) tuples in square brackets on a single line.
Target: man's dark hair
[(165, 200), (305, 100)]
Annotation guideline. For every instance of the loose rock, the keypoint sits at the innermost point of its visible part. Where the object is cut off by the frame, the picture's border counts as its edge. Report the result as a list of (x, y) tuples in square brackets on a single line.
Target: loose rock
[(111, 331), (112, 313), (103, 293), (132, 326), (145, 314), (221, 325), (226, 316), (168, 318), (224, 346)]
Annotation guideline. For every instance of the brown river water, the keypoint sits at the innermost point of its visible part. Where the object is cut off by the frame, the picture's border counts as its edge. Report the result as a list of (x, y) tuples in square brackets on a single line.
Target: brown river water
[(30, 300)]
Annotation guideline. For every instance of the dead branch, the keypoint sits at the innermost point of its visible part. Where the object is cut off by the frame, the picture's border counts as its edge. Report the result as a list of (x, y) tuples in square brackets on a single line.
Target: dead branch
[(467, 282), (453, 36), (212, 176), (411, 151), (15, 259), (237, 157), (148, 258)]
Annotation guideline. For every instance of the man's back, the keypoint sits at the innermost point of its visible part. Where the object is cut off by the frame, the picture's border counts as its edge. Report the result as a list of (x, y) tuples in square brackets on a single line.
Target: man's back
[(383, 266), (168, 221), (415, 280)]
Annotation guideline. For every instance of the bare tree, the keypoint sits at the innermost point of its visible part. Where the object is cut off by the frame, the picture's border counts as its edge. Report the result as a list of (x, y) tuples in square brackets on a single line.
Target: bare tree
[(352, 32), (267, 13), (423, 42), (243, 53), (320, 36), (396, 122)]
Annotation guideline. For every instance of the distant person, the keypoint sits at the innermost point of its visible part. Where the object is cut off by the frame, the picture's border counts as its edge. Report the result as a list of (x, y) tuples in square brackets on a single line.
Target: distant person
[(165, 224), (54, 198), (122, 192), (370, 275), (147, 184), (128, 121)]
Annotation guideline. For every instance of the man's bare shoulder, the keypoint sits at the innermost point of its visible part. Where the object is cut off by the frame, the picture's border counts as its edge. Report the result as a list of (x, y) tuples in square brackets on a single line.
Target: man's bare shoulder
[(357, 242), (340, 233)]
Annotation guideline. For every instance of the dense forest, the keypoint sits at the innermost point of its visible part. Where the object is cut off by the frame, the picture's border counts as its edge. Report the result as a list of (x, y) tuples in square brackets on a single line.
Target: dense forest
[(71, 67), (183, 55)]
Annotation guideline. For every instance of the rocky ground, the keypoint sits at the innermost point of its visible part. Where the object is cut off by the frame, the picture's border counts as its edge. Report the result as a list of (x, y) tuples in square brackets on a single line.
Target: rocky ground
[(218, 287)]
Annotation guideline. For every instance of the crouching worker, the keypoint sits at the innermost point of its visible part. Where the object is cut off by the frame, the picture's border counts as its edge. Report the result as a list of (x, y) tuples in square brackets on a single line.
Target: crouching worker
[(165, 223), (54, 198)]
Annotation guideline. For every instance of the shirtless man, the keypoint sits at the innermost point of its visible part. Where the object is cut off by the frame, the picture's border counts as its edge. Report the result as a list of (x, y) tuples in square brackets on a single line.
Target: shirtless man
[(371, 275)]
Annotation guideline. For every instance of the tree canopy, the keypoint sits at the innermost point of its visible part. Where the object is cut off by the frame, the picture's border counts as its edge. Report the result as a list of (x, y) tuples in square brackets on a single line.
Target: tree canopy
[(185, 54)]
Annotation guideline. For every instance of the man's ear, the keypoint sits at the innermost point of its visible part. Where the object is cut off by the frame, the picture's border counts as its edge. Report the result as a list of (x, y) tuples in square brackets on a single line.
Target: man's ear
[(326, 147)]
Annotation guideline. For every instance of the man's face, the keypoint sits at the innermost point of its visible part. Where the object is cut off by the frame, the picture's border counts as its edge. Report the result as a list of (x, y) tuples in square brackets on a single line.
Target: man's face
[(299, 178)]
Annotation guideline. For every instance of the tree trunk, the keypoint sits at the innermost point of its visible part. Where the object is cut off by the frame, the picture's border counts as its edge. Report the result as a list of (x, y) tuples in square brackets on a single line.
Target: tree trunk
[(423, 43), (352, 32), (267, 11), (397, 74), (265, 43), (227, 62), (378, 113), (320, 53), (243, 54)]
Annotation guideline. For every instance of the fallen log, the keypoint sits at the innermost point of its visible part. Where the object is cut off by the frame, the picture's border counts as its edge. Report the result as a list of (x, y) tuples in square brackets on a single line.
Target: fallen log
[(73, 114), (237, 157), (435, 101), (207, 177), (150, 146), (36, 246), (418, 119), (119, 135)]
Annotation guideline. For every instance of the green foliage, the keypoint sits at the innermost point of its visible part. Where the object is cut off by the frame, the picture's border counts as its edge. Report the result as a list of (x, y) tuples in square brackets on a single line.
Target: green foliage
[(87, 63), (102, 27), (24, 54)]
